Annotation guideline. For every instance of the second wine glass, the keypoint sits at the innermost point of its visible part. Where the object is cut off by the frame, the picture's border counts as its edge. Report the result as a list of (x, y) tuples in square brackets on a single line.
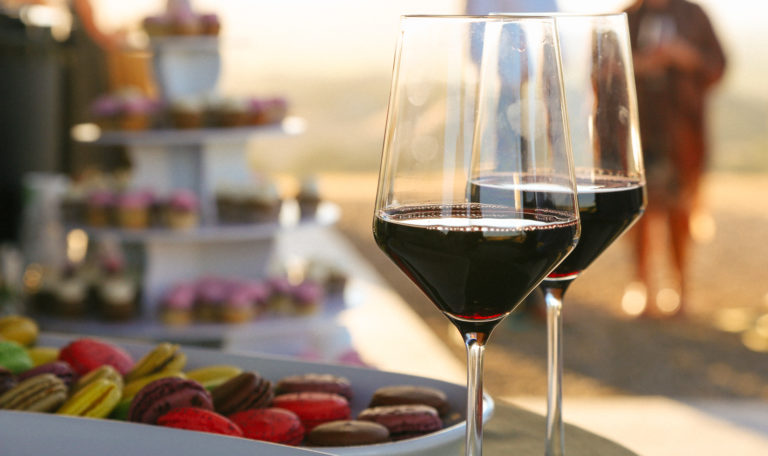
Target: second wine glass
[(602, 111), (476, 200)]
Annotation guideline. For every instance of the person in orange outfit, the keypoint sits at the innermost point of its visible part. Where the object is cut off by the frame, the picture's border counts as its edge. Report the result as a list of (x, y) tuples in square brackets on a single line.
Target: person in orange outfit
[(677, 60)]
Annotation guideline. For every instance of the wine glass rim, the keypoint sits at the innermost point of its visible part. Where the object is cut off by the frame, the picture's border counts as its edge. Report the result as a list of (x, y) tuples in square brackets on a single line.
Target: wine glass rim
[(556, 14), (494, 16)]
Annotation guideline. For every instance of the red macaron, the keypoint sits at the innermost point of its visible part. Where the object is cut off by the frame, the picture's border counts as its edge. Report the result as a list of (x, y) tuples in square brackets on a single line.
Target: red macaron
[(314, 408), (84, 355), (197, 419), (271, 425)]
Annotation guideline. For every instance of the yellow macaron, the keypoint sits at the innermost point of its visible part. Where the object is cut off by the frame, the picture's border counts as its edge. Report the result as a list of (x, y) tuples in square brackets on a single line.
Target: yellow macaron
[(95, 400), (164, 357), (212, 376)]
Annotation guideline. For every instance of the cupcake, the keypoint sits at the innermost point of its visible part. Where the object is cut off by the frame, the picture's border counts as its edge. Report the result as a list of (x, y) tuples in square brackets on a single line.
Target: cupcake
[(261, 203), (228, 206), (228, 112), (70, 294), (157, 25), (306, 297), (280, 297), (211, 294), (238, 307), (261, 111), (259, 293), (210, 24), (274, 109), (133, 210), (73, 206), (186, 23), (333, 278), (308, 198), (117, 293), (106, 111), (137, 112), (182, 210), (187, 113), (177, 305), (99, 208)]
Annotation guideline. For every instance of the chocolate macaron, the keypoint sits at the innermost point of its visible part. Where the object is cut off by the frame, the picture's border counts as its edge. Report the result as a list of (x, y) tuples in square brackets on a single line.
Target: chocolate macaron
[(348, 433), (410, 395), (321, 383), (247, 390), (166, 394)]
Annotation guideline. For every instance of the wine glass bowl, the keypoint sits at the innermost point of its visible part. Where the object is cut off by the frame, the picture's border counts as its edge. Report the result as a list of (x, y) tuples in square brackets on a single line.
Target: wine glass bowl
[(476, 199)]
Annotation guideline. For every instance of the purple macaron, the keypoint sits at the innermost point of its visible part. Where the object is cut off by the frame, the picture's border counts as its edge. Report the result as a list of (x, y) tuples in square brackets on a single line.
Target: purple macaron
[(61, 369), (165, 394)]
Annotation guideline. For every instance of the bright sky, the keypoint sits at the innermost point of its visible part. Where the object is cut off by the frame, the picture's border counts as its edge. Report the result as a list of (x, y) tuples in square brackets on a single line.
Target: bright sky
[(333, 37)]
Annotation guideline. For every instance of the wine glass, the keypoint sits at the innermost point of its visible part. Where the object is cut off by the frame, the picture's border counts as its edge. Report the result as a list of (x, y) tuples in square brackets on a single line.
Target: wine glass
[(602, 113), (476, 198)]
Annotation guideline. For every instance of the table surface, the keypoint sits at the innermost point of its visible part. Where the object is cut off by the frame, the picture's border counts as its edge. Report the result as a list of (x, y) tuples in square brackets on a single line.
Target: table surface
[(513, 430)]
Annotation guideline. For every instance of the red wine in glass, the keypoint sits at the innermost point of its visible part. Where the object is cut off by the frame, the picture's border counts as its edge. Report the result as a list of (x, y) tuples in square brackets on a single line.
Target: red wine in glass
[(475, 262), (608, 207)]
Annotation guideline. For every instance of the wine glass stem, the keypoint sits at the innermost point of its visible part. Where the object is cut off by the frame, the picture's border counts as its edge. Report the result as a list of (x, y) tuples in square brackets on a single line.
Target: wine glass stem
[(475, 350), (555, 431)]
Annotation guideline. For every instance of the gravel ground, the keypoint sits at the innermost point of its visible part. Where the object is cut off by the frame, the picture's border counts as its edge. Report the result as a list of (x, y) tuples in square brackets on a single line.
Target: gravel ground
[(606, 352)]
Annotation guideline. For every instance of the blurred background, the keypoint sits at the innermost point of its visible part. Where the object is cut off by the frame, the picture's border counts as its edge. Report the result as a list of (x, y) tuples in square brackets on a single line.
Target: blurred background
[(331, 63)]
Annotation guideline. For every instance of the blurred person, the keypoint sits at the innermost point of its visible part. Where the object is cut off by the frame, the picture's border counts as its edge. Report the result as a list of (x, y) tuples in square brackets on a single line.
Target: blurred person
[(677, 60)]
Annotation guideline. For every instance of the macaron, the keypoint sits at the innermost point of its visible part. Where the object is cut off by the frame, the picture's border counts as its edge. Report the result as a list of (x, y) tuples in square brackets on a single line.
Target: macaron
[(248, 390), (132, 389), (323, 383), (18, 329), (404, 421), (94, 400), (212, 376), (61, 369), (314, 408), (348, 433), (41, 393), (85, 355), (164, 357), (196, 419), (42, 355), (165, 394), (7, 380), (13, 357), (410, 394), (271, 425), (105, 372)]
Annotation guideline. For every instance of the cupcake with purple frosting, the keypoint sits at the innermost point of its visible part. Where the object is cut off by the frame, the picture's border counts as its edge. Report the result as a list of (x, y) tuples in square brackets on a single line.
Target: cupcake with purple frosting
[(307, 297), (99, 208), (211, 294), (133, 210), (238, 307), (182, 210), (177, 304)]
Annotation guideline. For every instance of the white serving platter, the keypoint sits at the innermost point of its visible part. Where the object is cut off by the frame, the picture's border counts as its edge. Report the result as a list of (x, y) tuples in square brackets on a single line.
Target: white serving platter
[(27, 433), (364, 382)]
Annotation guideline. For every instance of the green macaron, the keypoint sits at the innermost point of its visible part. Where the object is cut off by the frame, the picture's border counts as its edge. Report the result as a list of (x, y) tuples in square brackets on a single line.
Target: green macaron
[(14, 357)]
